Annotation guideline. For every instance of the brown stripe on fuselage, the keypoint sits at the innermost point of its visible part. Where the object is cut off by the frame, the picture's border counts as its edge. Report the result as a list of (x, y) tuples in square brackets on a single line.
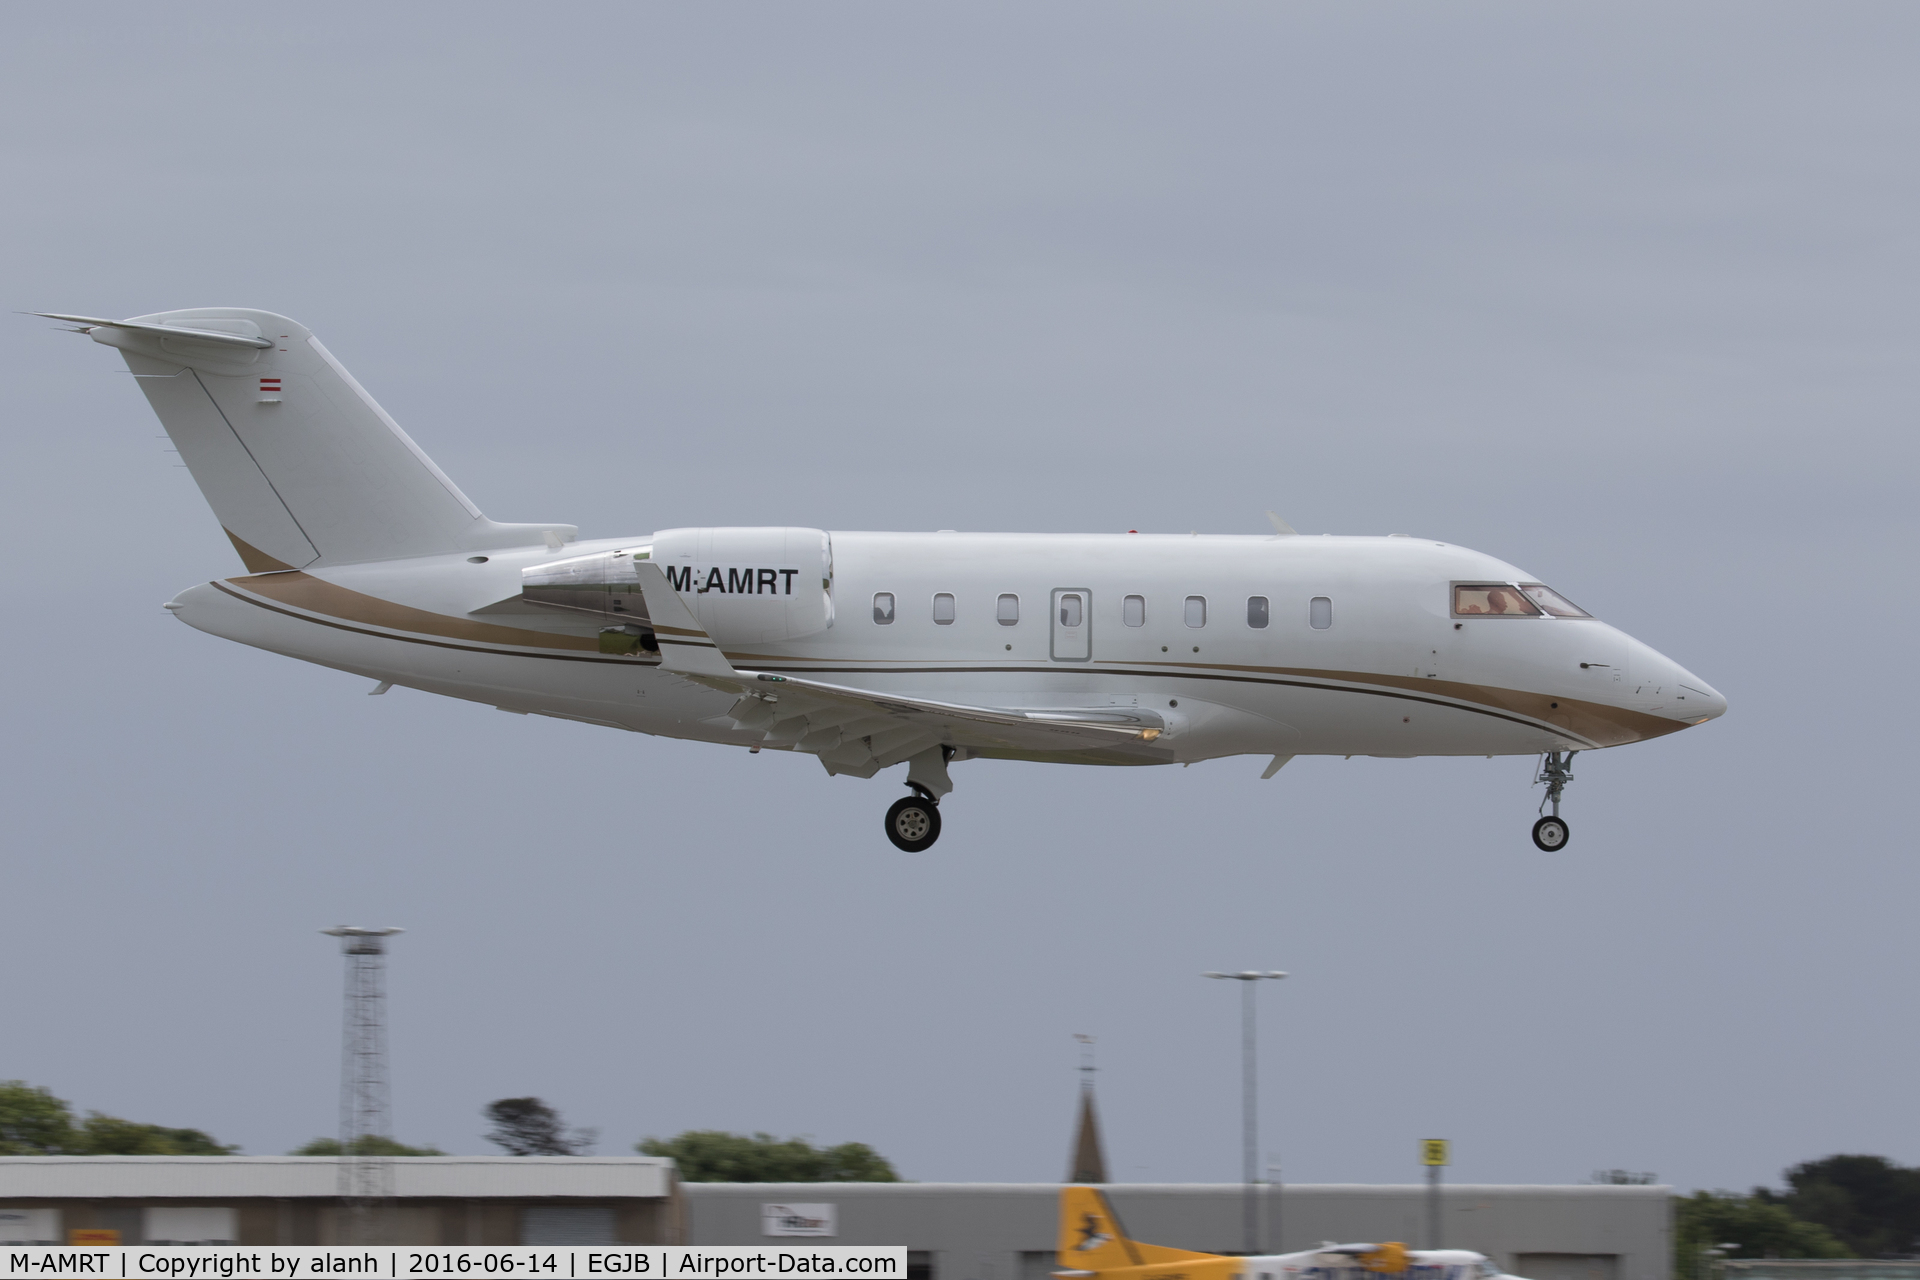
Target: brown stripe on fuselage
[(1595, 722), (316, 595)]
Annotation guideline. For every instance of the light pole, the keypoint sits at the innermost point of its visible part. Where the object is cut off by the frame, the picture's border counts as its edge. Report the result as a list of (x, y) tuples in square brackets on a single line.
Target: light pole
[(1273, 1230), (1433, 1154), (1249, 1124)]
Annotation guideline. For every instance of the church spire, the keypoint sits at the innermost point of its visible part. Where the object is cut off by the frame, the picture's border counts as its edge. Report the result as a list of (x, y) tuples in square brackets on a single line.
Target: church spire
[(1089, 1162)]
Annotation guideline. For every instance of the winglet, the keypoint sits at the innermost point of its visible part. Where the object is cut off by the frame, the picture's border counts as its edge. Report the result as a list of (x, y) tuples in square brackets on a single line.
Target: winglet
[(685, 646), (1281, 529)]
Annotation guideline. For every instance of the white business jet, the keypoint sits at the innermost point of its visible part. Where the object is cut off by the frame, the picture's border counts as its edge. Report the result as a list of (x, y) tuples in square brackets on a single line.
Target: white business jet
[(867, 650)]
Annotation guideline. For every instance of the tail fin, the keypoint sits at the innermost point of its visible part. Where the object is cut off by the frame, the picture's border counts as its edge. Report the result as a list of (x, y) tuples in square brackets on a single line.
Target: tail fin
[(295, 458), (1093, 1242)]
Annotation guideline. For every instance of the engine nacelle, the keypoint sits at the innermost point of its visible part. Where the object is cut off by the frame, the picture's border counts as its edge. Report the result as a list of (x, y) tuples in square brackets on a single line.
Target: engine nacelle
[(744, 585), (751, 584)]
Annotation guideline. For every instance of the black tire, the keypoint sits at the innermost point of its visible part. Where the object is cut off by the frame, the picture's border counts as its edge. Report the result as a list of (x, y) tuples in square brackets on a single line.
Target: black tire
[(913, 824), (1550, 835)]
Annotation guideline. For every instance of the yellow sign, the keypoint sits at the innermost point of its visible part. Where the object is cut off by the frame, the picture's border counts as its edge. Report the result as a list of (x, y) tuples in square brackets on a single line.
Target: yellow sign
[(93, 1235), (1433, 1151)]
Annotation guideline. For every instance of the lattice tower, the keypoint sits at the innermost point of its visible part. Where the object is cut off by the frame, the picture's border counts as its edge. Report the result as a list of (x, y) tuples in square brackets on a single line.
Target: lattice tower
[(366, 1105)]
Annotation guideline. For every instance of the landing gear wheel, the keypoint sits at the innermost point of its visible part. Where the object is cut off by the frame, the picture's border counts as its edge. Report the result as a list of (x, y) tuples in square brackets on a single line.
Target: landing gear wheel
[(913, 824), (1550, 835)]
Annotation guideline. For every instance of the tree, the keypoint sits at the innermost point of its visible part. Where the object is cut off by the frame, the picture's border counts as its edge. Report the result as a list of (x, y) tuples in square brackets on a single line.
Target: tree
[(529, 1127), (1869, 1202), (1761, 1229), (32, 1121), (102, 1135), (369, 1144), (35, 1123), (712, 1155)]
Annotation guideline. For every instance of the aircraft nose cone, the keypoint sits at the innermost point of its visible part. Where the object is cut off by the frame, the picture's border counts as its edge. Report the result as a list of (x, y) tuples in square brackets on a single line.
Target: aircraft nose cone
[(1704, 702)]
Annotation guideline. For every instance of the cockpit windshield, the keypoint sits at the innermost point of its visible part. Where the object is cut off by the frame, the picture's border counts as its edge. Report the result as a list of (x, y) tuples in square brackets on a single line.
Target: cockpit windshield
[(1552, 601), (1505, 600), (1496, 598)]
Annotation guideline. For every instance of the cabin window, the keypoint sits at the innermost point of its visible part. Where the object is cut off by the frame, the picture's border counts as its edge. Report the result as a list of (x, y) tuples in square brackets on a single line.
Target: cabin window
[(883, 607), (1320, 612), (1070, 610), (1196, 611), (1257, 612), (1552, 601), (1007, 612), (1133, 611), (943, 609), (1492, 599)]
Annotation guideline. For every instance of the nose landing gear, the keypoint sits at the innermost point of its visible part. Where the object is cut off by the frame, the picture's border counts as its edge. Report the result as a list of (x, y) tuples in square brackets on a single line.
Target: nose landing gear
[(913, 822), (1550, 834)]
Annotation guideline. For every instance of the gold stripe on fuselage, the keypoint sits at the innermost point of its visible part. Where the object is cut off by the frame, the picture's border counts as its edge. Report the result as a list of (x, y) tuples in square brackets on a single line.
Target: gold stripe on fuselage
[(1597, 722), (316, 595), (1602, 725)]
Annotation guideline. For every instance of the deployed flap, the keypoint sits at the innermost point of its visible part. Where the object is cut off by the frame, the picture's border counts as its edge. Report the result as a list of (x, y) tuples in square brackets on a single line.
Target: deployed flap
[(1074, 729), (860, 730)]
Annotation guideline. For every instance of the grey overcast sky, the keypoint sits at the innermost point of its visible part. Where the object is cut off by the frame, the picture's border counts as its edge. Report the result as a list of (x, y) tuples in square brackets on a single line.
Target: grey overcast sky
[(1625, 294)]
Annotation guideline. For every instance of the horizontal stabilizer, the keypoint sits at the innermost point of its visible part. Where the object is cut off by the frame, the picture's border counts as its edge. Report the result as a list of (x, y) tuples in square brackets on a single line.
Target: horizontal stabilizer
[(165, 330)]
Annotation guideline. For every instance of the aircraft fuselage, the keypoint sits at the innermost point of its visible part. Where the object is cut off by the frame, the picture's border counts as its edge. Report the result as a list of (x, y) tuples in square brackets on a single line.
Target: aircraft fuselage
[(1392, 670)]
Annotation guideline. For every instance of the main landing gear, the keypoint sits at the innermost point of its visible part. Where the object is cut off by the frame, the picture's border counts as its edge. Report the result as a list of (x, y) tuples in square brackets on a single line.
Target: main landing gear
[(913, 823), (1550, 834)]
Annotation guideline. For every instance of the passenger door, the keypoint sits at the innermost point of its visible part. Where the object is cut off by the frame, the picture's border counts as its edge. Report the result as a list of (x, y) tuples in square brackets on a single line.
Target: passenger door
[(1072, 624)]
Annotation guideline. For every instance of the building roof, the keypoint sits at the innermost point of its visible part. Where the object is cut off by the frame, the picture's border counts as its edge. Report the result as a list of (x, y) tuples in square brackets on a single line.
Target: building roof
[(234, 1177)]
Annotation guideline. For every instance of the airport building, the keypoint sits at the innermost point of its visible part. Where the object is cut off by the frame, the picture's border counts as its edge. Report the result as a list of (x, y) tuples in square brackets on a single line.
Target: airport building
[(1005, 1231), (294, 1200), (953, 1231)]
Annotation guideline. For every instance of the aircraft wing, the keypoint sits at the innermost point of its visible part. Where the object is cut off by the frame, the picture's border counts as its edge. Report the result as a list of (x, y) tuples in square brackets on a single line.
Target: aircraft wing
[(861, 731)]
